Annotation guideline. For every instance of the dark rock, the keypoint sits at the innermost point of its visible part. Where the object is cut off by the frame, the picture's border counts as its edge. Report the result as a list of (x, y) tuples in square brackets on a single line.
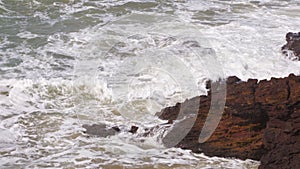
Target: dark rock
[(100, 130), (116, 128), (133, 129), (293, 44), (232, 80), (282, 137)]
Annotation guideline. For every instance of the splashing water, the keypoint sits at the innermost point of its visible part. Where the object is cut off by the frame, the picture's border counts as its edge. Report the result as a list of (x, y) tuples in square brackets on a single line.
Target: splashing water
[(65, 63)]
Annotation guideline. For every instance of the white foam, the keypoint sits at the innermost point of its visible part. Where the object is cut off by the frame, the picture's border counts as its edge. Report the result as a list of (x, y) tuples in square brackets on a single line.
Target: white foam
[(91, 76)]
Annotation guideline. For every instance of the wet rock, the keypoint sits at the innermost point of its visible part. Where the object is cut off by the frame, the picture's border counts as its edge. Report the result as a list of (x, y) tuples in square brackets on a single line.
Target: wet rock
[(232, 80), (133, 129), (101, 130), (293, 44), (239, 134), (116, 128), (261, 121)]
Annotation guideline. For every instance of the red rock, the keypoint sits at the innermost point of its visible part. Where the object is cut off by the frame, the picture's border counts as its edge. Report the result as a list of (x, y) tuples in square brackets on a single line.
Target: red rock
[(239, 134), (272, 92), (294, 89), (260, 121)]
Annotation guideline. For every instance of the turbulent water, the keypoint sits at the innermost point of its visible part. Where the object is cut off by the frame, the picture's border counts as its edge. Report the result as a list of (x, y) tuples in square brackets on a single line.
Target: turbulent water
[(64, 63)]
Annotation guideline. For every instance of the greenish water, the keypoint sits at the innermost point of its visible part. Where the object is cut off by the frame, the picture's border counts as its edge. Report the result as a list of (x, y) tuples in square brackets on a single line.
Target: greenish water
[(64, 63)]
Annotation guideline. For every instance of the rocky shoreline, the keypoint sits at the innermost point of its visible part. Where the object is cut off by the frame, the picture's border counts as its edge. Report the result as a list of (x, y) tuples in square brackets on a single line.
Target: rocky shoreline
[(260, 120)]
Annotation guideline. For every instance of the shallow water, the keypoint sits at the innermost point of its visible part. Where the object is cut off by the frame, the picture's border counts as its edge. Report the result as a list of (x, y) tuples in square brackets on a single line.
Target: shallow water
[(64, 63)]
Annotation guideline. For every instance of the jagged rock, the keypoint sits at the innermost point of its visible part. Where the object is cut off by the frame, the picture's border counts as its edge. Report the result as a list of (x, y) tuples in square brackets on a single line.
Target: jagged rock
[(293, 44), (261, 121), (133, 129), (239, 132)]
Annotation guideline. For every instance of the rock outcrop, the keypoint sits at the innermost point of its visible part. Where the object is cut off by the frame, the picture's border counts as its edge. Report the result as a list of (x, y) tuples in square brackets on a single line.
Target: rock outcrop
[(292, 45), (239, 133), (261, 121)]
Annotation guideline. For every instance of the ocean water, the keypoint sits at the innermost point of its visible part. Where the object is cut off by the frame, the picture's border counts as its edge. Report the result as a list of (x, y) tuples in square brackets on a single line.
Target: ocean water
[(65, 63)]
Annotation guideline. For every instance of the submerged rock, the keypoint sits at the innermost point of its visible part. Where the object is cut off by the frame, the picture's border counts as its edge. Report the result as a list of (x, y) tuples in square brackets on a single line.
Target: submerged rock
[(101, 130), (261, 121), (293, 44)]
